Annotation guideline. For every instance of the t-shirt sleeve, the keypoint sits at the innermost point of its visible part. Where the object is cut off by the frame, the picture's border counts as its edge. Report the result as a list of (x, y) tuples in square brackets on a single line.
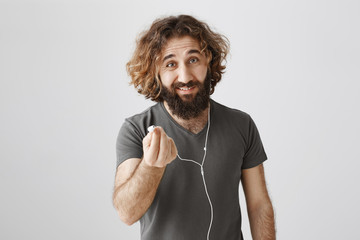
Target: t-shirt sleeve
[(255, 153), (128, 143)]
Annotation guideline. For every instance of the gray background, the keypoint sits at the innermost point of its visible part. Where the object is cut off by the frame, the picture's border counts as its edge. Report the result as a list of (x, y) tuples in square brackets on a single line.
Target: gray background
[(294, 67)]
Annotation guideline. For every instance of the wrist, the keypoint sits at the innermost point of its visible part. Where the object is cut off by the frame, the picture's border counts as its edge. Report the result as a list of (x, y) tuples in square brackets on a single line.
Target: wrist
[(149, 168)]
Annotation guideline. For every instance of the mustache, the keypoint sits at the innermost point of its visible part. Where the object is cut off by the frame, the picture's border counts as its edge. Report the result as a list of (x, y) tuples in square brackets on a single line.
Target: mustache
[(188, 84)]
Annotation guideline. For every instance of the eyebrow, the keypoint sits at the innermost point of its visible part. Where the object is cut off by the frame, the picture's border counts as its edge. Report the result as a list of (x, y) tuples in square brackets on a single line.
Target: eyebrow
[(189, 52)]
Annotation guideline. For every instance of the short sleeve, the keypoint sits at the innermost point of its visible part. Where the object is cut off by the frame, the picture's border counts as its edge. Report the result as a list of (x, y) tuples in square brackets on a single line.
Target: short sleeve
[(255, 153), (128, 143)]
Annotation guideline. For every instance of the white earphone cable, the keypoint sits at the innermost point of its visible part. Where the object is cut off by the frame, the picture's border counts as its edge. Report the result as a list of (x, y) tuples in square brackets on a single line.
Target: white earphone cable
[(203, 175)]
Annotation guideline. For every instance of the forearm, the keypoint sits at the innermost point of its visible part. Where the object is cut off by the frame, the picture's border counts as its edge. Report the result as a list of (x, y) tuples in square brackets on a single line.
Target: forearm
[(262, 222), (134, 197)]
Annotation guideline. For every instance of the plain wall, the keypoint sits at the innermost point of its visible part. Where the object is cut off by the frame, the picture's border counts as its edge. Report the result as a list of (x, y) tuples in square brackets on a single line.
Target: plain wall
[(64, 93)]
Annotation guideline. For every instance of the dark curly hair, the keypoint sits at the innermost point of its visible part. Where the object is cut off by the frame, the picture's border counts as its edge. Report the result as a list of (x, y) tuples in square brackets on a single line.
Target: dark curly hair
[(144, 64)]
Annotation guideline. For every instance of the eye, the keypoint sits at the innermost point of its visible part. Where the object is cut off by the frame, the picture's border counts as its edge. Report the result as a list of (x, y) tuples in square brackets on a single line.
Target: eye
[(171, 64), (193, 60)]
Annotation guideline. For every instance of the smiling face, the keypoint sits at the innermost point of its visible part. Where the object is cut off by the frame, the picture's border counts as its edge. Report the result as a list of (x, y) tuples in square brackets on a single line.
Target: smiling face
[(183, 74), (183, 66)]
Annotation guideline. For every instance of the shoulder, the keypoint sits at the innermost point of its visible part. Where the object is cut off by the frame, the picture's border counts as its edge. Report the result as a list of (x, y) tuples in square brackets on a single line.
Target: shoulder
[(143, 118), (137, 124), (233, 120), (224, 112), (134, 128), (144, 114)]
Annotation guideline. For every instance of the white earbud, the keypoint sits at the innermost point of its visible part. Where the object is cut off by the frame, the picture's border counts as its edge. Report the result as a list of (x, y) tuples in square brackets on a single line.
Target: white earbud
[(151, 128)]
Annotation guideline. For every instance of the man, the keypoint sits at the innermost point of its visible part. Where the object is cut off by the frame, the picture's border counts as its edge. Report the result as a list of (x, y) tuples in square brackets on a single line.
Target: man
[(181, 177)]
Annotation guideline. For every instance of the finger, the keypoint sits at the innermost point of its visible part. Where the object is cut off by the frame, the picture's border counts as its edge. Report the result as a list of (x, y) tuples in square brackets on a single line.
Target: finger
[(153, 150), (163, 151), (173, 148), (168, 151), (147, 141)]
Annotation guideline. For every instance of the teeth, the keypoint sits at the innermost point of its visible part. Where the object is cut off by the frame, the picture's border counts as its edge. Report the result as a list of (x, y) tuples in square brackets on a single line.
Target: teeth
[(185, 89)]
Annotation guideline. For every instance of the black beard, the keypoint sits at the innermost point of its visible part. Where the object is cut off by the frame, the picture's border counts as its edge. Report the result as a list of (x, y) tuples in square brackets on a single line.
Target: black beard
[(193, 106)]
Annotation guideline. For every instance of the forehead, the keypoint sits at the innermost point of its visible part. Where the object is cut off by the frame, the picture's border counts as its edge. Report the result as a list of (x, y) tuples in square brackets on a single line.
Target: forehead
[(180, 44)]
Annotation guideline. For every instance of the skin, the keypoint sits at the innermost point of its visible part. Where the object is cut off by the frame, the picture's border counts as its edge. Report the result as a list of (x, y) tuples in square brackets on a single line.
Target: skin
[(259, 207), (183, 61), (137, 180)]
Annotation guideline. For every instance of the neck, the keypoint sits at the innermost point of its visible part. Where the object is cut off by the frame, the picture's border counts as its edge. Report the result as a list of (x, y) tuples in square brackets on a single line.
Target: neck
[(194, 125)]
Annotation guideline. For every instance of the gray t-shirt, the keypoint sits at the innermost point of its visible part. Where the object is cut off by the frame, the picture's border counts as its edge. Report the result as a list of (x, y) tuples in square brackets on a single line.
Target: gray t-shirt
[(180, 210)]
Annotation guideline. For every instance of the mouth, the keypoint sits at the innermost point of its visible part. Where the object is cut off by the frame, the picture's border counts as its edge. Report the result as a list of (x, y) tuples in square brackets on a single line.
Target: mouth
[(186, 93), (186, 88)]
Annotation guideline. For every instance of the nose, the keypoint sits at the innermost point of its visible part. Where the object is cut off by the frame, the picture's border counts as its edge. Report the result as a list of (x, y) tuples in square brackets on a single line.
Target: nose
[(184, 74)]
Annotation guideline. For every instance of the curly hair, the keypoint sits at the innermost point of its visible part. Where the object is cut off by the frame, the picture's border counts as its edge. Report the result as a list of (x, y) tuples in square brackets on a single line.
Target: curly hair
[(143, 67)]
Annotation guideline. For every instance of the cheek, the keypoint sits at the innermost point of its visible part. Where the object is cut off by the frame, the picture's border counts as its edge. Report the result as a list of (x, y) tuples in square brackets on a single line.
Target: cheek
[(166, 79), (201, 72)]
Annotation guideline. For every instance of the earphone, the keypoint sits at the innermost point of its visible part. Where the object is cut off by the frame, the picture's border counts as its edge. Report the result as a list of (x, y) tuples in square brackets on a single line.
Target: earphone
[(151, 128)]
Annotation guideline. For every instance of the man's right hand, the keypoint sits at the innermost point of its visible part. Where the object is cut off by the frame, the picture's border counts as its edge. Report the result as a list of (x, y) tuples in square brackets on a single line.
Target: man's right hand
[(159, 149), (137, 179)]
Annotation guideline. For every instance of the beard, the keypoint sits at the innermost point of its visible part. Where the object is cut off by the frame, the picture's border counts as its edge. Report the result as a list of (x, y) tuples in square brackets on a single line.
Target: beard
[(192, 106)]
